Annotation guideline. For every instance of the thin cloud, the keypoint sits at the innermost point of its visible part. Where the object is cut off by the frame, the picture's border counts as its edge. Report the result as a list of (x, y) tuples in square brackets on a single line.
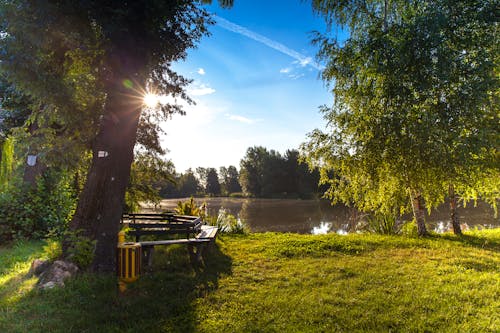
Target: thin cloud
[(296, 76), (304, 62), (233, 27), (241, 119), (201, 90), (201, 71), (285, 70)]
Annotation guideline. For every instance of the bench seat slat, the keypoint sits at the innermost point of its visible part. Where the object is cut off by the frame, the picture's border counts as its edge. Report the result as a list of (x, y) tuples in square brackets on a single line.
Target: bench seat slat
[(173, 241), (207, 232), (160, 225), (160, 232)]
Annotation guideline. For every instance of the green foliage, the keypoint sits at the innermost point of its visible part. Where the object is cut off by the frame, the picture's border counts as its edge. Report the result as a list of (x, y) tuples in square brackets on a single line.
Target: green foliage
[(229, 180), (190, 207), (237, 195), (6, 161), (209, 180), (186, 185), (382, 224), (148, 170), (32, 212), (212, 187), (53, 249), (415, 90), (409, 229), (267, 174), (80, 249)]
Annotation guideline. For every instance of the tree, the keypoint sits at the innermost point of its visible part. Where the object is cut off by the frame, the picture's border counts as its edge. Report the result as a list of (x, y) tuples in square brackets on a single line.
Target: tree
[(252, 169), (6, 161), (212, 182), (189, 185), (130, 47), (201, 174), (147, 172), (266, 173), (414, 90), (229, 180)]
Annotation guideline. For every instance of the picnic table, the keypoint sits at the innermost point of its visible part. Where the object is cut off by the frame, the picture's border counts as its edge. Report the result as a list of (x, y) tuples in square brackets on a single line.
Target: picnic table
[(191, 229)]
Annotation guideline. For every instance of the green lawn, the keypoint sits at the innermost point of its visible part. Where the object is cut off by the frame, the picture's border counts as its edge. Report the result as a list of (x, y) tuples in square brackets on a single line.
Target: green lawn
[(275, 283)]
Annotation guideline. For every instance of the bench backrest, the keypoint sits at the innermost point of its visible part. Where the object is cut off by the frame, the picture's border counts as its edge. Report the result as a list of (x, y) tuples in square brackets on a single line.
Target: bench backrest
[(141, 224)]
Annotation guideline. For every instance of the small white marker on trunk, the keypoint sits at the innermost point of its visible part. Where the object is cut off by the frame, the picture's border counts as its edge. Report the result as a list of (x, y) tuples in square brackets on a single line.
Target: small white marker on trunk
[(31, 160)]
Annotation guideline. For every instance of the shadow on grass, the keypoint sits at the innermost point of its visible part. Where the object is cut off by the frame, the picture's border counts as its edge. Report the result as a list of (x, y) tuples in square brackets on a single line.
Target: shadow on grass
[(481, 242), (163, 300)]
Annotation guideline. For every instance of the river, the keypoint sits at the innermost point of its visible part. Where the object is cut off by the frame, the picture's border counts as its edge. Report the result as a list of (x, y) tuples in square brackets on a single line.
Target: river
[(318, 216)]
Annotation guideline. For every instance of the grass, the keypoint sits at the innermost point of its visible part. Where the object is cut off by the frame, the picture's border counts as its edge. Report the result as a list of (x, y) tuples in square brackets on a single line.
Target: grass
[(275, 283)]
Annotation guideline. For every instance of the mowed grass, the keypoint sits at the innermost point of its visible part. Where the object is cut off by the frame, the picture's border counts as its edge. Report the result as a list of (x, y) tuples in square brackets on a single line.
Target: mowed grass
[(275, 283)]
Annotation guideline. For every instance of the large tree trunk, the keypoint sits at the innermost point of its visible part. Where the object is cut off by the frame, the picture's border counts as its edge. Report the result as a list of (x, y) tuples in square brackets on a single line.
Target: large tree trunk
[(419, 212), (453, 211), (101, 202)]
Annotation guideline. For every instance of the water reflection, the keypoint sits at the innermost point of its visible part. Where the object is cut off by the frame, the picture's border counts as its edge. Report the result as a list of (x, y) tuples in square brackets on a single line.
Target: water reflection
[(322, 229), (319, 216)]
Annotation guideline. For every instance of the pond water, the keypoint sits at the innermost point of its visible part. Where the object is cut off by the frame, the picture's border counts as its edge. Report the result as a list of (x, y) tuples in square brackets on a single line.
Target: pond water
[(319, 216)]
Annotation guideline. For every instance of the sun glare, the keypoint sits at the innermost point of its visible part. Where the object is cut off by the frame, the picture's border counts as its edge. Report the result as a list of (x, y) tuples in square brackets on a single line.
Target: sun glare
[(151, 100)]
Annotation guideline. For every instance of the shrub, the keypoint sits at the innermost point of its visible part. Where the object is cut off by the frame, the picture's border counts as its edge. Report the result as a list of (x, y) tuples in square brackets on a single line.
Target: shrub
[(237, 195), (80, 249), (53, 249), (189, 208), (31, 212), (409, 228)]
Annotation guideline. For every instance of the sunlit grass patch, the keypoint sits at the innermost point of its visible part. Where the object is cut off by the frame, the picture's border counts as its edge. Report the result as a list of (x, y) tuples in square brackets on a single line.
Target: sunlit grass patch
[(15, 261), (276, 283)]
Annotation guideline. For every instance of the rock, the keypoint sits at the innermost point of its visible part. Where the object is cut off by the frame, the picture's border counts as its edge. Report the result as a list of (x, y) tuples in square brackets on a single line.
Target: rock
[(55, 275), (38, 266)]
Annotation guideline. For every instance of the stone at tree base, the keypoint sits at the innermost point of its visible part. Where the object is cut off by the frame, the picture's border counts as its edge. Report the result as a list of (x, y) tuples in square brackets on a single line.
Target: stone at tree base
[(38, 266), (55, 275)]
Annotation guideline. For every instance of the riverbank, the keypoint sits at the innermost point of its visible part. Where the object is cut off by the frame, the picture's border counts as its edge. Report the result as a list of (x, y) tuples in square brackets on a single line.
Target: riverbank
[(319, 216), (275, 283)]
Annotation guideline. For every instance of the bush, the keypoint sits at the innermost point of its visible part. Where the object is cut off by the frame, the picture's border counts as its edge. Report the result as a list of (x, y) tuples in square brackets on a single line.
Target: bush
[(409, 228), (53, 249), (30, 213), (80, 249), (189, 208), (237, 195)]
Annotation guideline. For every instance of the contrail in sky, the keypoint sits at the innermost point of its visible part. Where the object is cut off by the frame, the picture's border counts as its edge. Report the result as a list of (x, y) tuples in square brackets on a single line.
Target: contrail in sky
[(302, 59)]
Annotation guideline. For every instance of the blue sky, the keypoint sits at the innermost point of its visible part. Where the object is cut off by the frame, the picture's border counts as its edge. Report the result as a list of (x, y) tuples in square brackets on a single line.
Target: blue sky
[(256, 82)]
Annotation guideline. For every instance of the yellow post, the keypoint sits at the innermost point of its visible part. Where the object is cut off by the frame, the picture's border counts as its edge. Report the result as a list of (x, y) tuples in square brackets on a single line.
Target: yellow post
[(128, 261)]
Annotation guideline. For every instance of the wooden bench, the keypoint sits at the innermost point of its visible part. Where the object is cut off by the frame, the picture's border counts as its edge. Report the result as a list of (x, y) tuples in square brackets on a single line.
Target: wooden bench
[(197, 235)]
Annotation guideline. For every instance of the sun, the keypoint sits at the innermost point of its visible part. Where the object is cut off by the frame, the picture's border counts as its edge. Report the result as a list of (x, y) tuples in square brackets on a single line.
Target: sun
[(150, 100)]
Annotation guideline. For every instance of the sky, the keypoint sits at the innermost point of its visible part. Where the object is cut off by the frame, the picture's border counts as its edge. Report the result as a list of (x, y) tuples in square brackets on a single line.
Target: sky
[(255, 82)]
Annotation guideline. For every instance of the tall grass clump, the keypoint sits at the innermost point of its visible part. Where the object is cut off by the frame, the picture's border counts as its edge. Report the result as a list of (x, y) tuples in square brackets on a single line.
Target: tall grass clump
[(189, 208), (381, 224), (228, 223)]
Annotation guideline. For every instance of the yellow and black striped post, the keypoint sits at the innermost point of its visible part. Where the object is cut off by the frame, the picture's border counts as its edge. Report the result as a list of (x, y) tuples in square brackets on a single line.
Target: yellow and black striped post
[(128, 261)]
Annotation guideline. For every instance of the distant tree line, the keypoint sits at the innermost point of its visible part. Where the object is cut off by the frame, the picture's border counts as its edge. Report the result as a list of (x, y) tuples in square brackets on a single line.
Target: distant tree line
[(266, 173), (263, 174)]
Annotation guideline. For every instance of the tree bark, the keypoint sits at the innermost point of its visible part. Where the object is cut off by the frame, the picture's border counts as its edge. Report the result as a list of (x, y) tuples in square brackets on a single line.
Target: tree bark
[(455, 222), (32, 173), (418, 212), (101, 201)]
